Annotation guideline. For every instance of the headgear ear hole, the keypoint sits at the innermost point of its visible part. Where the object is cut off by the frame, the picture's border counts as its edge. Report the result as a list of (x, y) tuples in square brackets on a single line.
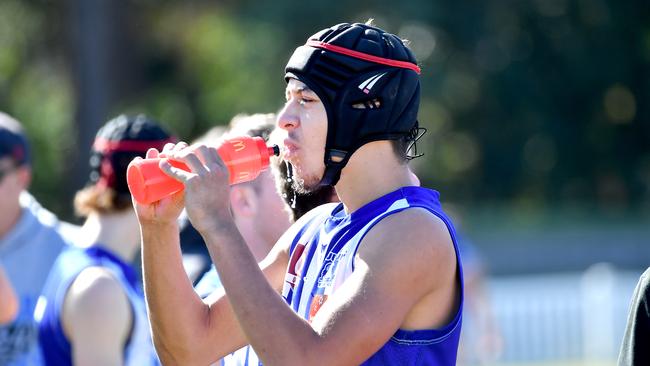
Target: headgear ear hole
[(367, 104)]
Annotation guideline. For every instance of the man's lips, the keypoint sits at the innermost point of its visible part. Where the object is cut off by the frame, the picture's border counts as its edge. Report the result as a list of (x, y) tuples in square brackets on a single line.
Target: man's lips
[(290, 149)]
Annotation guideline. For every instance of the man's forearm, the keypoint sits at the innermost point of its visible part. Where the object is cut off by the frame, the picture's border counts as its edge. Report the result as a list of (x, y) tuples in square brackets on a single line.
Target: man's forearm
[(175, 311), (272, 328)]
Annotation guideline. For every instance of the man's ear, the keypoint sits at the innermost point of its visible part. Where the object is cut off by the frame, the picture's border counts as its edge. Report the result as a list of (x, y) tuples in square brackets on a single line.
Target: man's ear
[(243, 200)]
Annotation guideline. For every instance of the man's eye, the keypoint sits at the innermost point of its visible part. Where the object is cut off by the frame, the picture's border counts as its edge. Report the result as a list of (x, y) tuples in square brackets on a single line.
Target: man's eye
[(304, 101)]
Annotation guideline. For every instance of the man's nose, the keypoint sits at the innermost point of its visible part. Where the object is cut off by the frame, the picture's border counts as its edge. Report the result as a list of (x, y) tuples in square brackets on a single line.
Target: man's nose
[(287, 118)]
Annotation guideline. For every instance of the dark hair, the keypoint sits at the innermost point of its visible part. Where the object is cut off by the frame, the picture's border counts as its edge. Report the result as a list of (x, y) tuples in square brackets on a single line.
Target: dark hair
[(405, 147), (400, 147)]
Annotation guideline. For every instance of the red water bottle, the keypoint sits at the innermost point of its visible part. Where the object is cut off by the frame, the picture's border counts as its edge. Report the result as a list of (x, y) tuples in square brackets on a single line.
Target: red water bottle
[(245, 157)]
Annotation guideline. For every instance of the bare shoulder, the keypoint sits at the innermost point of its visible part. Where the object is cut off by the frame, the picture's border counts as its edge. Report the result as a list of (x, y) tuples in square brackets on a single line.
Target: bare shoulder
[(96, 297), (413, 240), (408, 230), (96, 286), (410, 256)]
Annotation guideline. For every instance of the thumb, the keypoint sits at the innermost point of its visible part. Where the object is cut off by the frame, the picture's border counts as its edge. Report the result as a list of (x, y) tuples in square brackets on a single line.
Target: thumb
[(174, 172)]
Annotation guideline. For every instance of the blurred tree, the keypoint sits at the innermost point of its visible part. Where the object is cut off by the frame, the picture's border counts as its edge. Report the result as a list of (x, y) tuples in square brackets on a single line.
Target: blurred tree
[(533, 104)]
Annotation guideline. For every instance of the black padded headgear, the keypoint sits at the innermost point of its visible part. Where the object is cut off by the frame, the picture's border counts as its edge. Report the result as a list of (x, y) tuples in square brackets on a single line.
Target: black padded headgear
[(369, 83), (118, 142)]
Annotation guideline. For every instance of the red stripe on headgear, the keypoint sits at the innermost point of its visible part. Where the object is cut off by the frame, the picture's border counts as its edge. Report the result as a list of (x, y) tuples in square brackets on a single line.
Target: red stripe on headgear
[(364, 56), (103, 145)]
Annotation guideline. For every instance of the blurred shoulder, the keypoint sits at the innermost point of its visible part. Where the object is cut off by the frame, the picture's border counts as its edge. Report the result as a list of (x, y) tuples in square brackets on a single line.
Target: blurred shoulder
[(95, 292)]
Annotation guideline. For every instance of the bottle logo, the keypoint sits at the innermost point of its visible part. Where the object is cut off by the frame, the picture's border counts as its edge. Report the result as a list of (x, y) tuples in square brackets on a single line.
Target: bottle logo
[(243, 176), (238, 145)]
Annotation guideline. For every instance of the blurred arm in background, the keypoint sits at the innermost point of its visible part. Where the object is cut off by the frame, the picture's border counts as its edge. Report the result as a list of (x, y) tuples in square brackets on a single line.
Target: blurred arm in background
[(8, 300)]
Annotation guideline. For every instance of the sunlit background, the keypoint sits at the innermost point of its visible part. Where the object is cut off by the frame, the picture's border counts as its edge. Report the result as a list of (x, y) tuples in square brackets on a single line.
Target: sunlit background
[(539, 131)]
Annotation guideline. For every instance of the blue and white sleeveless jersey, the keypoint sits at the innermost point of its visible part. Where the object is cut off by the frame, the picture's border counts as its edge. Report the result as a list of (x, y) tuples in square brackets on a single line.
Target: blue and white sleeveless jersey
[(55, 347), (27, 252), (322, 258)]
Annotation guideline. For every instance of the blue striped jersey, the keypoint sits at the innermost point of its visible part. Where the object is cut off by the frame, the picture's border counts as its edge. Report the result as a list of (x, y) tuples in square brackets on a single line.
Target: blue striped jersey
[(322, 258)]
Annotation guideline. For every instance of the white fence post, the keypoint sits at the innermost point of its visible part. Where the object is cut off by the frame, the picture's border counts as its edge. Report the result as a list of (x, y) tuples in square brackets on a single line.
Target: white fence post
[(597, 289)]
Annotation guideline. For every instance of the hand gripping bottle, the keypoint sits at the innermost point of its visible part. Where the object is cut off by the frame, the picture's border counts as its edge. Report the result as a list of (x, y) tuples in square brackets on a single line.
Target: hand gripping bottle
[(245, 157)]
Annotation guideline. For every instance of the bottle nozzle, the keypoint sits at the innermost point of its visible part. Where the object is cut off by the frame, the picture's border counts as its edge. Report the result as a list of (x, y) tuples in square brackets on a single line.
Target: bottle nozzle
[(274, 150)]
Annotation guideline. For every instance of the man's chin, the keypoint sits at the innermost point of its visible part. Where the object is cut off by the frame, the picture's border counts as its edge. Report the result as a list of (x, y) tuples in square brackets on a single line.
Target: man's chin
[(305, 185)]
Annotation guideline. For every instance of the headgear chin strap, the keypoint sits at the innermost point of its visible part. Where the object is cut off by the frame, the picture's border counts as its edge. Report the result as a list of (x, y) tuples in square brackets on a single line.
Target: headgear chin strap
[(368, 81)]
